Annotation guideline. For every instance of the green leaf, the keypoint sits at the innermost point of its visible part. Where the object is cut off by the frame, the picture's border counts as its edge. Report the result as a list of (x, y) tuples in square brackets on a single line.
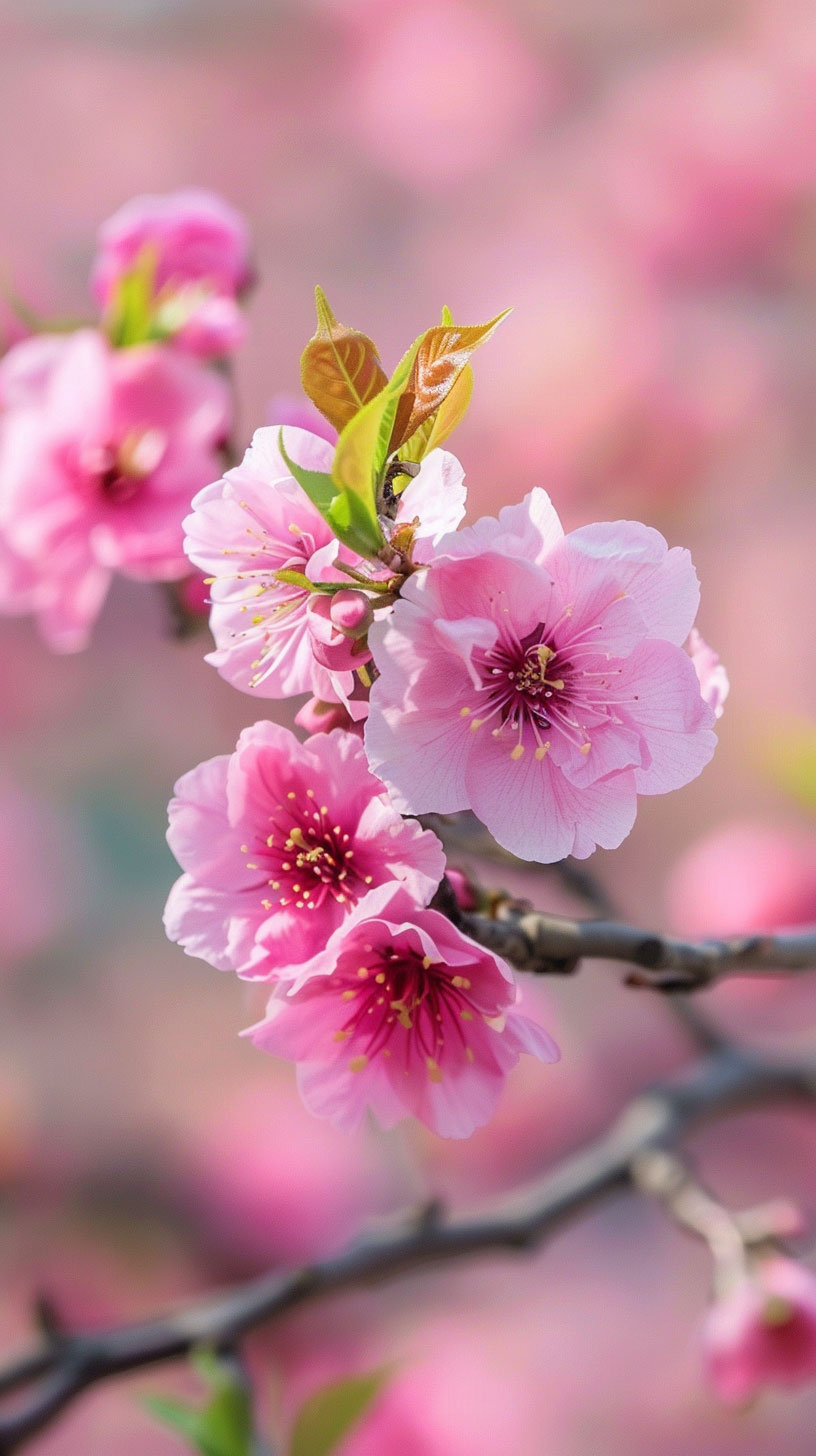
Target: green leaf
[(318, 484), (130, 314), (350, 519), (353, 525), (360, 458), (340, 368), (224, 1426), (330, 1413)]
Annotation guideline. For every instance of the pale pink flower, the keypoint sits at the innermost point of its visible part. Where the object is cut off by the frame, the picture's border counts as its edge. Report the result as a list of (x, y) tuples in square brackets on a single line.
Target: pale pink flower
[(98, 460), (269, 1184), (538, 679), (27, 367), (453, 58), (403, 1014), (763, 1332), (258, 521), (201, 250), (711, 674), (279, 841), (744, 877)]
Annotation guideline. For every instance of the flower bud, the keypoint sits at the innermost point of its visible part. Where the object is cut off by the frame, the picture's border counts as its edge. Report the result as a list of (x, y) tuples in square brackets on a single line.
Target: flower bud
[(351, 613), (763, 1331), (318, 717)]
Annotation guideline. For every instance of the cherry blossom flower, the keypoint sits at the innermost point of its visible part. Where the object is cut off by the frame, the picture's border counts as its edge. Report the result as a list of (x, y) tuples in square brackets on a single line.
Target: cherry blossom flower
[(403, 1014), (763, 1332), (279, 841), (200, 246), (100, 451), (744, 877), (713, 678), (538, 679), (257, 522)]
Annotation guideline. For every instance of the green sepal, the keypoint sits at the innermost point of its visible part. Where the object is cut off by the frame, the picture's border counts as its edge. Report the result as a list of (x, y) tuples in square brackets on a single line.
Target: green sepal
[(129, 318)]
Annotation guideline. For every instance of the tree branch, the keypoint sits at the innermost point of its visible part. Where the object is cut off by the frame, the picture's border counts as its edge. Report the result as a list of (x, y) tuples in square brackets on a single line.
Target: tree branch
[(725, 1079), (554, 945)]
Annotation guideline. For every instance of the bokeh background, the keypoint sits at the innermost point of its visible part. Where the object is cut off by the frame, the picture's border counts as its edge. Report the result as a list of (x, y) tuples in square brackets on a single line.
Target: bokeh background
[(638, 179)]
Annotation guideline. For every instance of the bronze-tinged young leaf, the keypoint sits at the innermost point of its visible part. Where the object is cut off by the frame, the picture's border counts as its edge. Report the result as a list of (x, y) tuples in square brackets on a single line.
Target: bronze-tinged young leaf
[(443, 353), (339, 367), (438, 426)]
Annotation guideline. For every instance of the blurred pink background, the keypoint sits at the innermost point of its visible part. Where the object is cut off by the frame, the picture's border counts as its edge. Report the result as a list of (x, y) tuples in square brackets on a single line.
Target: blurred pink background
[(638, 179)]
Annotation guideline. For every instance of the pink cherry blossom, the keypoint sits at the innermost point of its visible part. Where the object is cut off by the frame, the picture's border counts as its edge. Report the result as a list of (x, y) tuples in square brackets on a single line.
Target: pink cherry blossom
[(242, 531), (744, 876), (538, 679), (201, 249), (403, 1014), (712, 676), (279, 841), (763, 1332), (258, 521), (26, 369), (100, 452)]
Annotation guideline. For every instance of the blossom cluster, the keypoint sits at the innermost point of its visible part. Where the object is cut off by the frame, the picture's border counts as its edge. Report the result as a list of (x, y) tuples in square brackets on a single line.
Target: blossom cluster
[(541, 678), (107, 430)]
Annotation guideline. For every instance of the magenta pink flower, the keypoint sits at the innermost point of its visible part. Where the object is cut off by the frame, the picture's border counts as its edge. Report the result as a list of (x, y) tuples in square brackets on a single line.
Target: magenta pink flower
[(538, 679), (99, 457), (403, 1014), (763, 1332), (201, 250), (279, 842), (256, 522)]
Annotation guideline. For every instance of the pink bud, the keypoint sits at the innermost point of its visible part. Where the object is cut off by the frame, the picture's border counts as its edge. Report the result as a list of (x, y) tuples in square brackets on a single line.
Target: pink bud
[(332, 646), (318, 717), (351, 612), (462, 888), (763, 1331)]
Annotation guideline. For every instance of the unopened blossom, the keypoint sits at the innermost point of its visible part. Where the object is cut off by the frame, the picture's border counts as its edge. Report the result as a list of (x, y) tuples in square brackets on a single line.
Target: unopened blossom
[(280, 841), (100, 451), (338, 625), (403, 1014), (538, 679), (318, 717), (199, 248), (763, 1332), (257, 522), (713, 678)]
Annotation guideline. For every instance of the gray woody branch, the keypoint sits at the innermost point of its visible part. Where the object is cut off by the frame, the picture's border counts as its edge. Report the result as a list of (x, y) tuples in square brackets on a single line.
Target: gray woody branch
[(45, 1381), (532, 940)]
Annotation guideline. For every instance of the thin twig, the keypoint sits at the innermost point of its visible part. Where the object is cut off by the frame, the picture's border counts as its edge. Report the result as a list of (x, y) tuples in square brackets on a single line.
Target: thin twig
[(725, 1079)]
